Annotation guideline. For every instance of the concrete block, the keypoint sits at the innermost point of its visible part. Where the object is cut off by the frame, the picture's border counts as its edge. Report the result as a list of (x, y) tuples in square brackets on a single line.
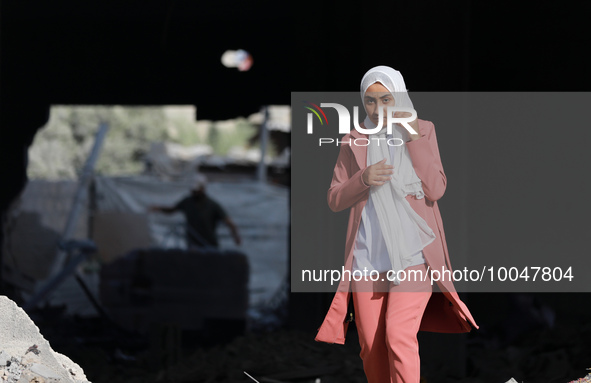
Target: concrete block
[(44, 372)]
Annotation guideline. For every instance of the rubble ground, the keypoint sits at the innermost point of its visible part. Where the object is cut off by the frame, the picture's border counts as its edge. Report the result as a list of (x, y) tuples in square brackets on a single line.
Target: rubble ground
[(556, 355), (26, 356)]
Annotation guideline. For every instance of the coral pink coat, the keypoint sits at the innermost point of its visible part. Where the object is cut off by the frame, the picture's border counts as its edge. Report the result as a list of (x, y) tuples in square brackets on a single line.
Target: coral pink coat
[(445, 312)]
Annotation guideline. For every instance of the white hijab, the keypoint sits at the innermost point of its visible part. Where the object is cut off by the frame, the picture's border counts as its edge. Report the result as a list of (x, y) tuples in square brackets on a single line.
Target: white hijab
[(395, 214)]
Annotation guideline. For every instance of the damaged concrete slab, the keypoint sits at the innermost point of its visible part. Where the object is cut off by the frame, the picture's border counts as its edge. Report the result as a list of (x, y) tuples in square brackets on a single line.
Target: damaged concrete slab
[(26, 356)]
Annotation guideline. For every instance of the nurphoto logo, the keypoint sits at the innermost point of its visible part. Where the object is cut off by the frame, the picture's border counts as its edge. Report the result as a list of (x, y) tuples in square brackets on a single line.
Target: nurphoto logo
[(345, 120)]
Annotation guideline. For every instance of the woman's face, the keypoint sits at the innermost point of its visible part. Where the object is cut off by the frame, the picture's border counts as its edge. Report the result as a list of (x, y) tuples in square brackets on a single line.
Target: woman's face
[(377, 96)]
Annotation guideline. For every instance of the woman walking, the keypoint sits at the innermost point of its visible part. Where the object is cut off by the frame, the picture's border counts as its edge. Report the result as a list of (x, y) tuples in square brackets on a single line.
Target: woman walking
[(395, 232)]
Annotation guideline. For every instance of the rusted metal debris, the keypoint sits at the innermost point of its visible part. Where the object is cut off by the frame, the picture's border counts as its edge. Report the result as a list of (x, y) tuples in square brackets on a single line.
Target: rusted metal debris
[(33, 349)]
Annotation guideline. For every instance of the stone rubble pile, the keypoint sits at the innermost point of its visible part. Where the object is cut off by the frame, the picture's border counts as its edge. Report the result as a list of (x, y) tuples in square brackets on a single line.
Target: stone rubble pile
[(586, 379), (26, 356)]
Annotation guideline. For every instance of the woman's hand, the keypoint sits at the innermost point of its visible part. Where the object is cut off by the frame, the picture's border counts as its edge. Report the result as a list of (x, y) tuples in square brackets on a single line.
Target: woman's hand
[(378, 173), (414, 124)]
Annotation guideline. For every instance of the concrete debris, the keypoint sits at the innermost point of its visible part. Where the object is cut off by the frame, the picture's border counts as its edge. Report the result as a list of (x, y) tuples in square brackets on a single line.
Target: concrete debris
[(25, 355), (586, 379)]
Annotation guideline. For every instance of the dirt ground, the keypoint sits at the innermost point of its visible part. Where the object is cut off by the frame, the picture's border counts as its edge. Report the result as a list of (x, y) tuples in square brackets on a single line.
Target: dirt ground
[(560, 354)]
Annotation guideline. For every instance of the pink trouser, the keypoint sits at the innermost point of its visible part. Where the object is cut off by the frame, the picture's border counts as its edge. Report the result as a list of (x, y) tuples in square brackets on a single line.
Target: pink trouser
[(388, 320)]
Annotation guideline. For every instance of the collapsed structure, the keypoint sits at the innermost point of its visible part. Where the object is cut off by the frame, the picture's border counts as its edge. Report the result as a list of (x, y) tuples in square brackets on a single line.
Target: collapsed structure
[(26, 356)]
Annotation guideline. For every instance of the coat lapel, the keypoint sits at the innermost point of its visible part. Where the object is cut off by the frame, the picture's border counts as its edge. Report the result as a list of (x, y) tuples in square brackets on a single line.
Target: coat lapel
[(359, 151)]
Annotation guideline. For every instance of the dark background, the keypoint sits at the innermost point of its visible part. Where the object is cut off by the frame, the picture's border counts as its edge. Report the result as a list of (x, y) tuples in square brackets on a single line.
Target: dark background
[(166, 52)]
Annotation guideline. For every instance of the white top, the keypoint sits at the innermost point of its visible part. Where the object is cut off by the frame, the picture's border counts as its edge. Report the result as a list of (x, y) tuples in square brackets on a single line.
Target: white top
[(370, 248)]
